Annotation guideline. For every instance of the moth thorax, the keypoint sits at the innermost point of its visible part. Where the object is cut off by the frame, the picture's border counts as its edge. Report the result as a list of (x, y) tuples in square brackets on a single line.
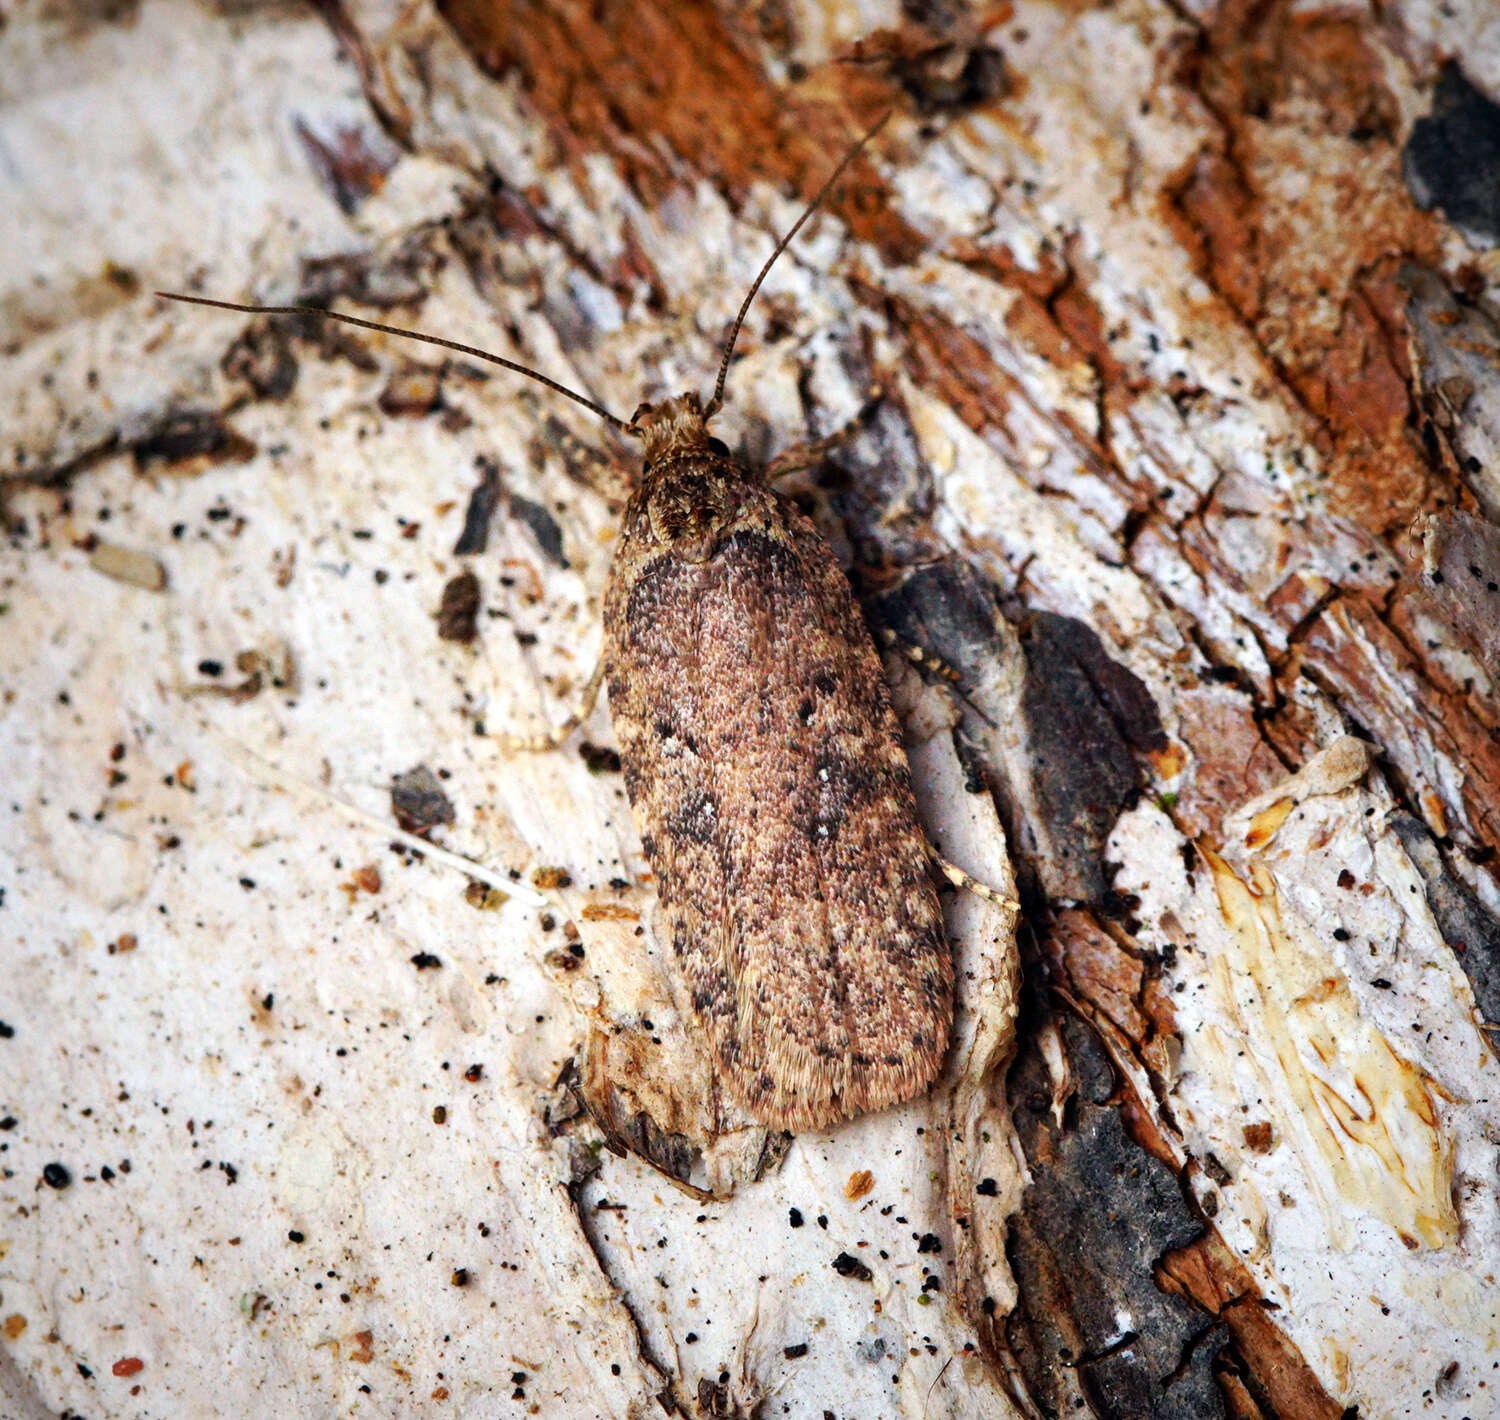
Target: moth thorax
[(675, 425)]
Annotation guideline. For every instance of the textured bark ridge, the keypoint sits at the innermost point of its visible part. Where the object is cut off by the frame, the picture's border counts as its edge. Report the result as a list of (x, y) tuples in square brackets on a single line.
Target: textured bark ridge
[(1184, 481)]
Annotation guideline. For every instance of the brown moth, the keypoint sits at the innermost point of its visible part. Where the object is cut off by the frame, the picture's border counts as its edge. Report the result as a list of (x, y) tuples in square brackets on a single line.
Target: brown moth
[(768, 779), (766, 773)]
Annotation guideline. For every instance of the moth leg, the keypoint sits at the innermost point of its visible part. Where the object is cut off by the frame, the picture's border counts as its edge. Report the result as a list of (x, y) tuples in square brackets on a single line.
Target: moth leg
[(811, 453), (961, 879), (551, 739), (919, 656)]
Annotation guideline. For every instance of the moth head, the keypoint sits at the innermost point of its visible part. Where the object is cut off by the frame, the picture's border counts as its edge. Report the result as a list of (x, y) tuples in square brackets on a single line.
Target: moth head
[(673, 425)]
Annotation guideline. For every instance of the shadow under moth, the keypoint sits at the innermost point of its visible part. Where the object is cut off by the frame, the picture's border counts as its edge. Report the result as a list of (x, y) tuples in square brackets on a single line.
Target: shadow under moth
[(765, 769)]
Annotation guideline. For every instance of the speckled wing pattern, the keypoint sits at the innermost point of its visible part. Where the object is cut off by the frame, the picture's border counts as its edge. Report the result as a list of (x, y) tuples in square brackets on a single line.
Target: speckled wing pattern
[(766, 772)]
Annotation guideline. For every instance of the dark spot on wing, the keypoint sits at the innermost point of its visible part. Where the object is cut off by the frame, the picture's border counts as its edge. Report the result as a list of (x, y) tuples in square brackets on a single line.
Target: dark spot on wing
[(828, 826), (848, 783)]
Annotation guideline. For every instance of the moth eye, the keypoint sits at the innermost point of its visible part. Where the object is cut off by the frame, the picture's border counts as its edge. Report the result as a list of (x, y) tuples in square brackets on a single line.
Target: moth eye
[(718, 446)]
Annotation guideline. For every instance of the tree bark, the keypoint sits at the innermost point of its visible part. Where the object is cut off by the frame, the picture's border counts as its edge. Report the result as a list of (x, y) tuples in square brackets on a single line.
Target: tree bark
[(339, 1039)]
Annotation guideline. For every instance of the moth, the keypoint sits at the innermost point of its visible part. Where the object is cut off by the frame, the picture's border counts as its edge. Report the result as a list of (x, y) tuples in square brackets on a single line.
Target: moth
[(765, 770)]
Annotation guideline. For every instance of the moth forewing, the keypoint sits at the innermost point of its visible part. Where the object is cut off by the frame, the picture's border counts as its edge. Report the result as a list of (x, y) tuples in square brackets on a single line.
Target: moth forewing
[(766, 772)]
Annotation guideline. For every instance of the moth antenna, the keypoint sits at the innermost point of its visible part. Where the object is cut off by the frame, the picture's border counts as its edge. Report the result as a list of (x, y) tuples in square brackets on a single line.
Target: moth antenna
[(781, 246), (536, 375)]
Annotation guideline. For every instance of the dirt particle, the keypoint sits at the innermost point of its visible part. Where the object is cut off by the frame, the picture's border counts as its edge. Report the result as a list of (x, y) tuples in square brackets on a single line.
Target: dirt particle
[(458, 612), (847, 1265)]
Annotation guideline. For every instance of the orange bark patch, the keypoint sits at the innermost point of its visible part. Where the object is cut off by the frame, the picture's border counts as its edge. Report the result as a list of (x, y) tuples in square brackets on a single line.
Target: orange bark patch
[(1231, 761), (1220, 232), (1098, 971), (1299, 218), (1207, 1273), (640, 81), (1054, 313), (951, 364)]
